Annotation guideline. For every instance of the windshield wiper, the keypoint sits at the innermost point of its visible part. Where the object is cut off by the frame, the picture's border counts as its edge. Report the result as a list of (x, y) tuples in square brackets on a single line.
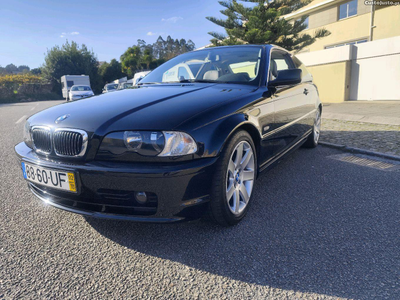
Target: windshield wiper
[(210, 81)]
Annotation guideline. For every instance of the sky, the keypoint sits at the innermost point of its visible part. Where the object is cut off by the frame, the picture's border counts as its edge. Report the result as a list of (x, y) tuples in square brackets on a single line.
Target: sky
[(29, 27)]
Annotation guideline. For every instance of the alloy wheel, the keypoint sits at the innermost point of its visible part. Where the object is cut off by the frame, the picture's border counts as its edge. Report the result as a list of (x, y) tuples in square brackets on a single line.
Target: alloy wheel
[(240, 177)]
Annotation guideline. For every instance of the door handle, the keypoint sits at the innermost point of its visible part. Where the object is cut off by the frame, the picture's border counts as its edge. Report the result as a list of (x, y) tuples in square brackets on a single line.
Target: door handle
[(305, 92)]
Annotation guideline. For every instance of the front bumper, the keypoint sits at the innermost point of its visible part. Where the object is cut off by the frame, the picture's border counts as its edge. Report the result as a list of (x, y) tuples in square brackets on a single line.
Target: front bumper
[(176, 191)]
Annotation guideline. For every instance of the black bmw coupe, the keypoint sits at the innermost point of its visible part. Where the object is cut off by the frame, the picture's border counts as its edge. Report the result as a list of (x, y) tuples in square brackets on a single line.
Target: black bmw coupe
[(192, 137)]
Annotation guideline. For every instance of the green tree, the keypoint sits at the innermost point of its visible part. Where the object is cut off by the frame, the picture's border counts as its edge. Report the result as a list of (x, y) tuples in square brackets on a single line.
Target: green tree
[(261, 22), (24, 69), (11, 68), (144, 56), (110, 71), (36, 71), (147, 57), (71, 59), (130, 60)]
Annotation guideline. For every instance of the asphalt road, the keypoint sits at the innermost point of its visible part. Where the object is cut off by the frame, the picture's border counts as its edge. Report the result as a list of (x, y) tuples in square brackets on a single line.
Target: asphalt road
[(317, 228)]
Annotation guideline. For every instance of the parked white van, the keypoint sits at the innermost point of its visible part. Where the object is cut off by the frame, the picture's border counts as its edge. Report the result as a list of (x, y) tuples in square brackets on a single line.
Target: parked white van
[(139, 76), (68, 81)]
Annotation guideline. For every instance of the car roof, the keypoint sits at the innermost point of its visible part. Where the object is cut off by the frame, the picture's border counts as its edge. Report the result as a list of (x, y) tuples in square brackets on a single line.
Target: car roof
[(267, 46)]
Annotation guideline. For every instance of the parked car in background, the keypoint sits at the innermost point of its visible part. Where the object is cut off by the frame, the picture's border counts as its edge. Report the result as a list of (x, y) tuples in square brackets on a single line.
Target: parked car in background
[(175, 146), (79, 92), (125, 85), (111, 87), (68, 81)]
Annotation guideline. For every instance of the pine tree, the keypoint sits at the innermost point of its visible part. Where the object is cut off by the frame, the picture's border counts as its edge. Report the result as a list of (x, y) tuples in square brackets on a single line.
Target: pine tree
[(261, 23)]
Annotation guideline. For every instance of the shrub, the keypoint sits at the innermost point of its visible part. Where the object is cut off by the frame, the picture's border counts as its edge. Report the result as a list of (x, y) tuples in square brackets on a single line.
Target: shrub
[(23, 87)]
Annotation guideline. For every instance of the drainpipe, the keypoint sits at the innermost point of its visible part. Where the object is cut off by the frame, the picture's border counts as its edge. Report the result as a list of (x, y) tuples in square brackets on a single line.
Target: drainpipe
[(372, 26)]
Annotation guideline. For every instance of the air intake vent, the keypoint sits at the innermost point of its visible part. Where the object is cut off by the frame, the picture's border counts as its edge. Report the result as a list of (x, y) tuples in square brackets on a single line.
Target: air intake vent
[(42, 139), (69, 142)]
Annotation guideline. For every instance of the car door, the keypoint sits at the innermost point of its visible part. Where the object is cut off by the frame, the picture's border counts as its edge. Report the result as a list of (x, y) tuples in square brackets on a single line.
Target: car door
[(310, 94), (291, 105)]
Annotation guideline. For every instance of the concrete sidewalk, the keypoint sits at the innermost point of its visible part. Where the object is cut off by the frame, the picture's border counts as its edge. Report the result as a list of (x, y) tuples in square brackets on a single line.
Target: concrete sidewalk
[(376, 112), (372, 126)]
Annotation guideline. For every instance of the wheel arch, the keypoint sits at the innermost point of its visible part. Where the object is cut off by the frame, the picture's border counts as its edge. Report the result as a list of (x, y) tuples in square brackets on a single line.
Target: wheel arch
[(233, 124), (254, 133)]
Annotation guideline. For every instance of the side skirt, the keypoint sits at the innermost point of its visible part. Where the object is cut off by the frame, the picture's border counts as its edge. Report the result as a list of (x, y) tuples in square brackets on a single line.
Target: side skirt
[(270, 163)]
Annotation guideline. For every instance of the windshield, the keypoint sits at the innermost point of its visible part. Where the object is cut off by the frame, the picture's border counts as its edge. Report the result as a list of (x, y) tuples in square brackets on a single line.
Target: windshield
[(219, 65), (111, 86), (80, 88)]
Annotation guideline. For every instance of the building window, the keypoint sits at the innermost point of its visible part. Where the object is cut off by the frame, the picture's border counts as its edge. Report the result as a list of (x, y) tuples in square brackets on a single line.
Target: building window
[(348, 9), (348, 43), (304, 23)]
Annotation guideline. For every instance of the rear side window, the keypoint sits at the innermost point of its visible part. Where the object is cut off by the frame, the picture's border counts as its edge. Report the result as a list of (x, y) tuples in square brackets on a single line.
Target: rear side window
[(279, 61), (70, 83)]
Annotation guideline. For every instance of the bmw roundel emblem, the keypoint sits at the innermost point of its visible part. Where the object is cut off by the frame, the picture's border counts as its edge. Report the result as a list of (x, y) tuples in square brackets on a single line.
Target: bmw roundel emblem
[(61, 118)]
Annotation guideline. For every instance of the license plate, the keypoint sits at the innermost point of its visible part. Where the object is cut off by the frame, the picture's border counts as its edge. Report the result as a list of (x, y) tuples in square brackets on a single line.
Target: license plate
[(56, 179)]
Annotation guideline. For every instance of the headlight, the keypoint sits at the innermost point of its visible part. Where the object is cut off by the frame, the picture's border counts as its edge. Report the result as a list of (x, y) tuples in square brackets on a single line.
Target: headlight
[(178, 143), (146, 143), (149, 143), (28, 135)]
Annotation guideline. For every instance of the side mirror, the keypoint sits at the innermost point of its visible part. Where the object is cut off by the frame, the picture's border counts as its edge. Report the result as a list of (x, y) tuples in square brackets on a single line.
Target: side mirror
[(287, 77)]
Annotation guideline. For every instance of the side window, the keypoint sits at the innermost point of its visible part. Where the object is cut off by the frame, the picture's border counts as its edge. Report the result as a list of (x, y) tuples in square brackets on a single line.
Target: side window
[(279, 61), (70, 83)]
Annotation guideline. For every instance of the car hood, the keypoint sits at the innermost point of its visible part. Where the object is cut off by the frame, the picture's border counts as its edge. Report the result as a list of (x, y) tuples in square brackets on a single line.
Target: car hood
[(156, 107)]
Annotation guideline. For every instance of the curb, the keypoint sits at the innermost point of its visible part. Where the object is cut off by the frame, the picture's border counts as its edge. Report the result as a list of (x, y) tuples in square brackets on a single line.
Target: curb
[(360, 151), (389, 121)]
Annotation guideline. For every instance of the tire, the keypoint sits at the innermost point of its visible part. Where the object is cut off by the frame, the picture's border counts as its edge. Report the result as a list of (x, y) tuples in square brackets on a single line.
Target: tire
[(313, 138), (233, 180)]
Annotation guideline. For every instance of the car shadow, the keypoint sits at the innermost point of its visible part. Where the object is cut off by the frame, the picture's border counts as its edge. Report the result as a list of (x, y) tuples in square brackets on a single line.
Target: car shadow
[(315, 225)]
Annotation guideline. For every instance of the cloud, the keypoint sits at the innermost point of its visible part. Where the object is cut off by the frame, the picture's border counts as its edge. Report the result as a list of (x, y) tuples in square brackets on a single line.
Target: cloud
[(64, 34), (172, 19), (151, 33)]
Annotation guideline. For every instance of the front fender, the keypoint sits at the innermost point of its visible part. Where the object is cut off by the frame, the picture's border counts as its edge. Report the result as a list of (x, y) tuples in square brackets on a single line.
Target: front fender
[(214, 136)]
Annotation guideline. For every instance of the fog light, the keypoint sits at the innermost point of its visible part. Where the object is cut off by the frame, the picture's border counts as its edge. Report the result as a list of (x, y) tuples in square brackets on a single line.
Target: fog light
[(141, 197)]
